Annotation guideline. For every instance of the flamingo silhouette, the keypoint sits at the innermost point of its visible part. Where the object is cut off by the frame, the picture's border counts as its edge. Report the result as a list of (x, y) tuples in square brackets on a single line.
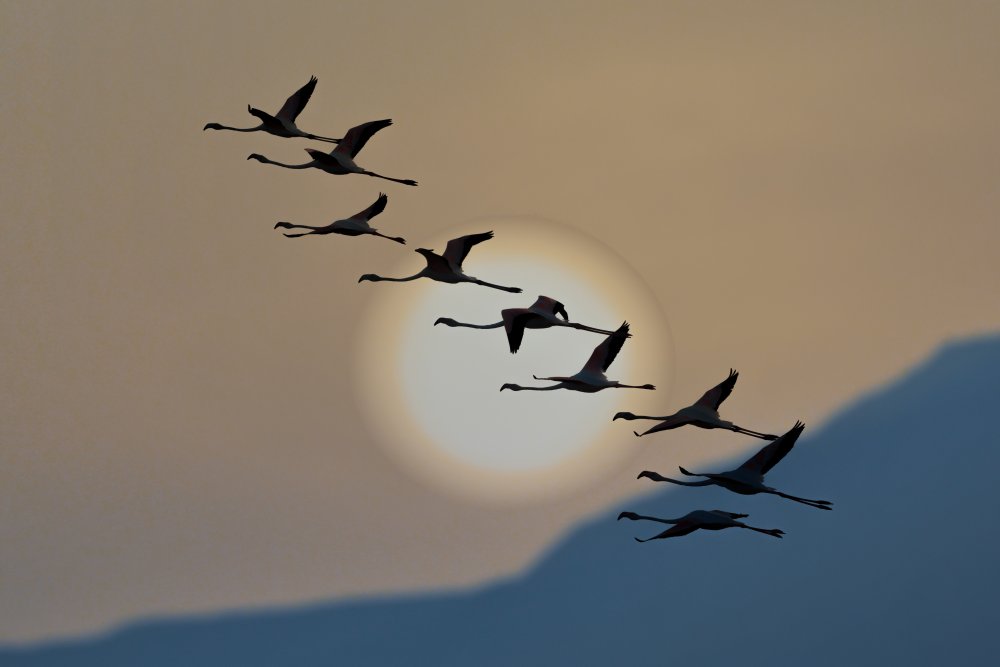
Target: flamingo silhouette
[(703, 414), (282, 124), (542, 314), (591, 378), (447, 268), (340, 160), (748, 479), (356, 225), (699, 519)]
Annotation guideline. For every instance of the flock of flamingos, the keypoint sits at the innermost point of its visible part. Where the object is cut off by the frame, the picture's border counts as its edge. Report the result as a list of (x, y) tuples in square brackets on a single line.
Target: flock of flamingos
[(545, 312)]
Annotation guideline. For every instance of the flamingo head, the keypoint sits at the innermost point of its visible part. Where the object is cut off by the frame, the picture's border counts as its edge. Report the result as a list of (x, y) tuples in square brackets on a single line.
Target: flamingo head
[(369, 276), (212, 126)]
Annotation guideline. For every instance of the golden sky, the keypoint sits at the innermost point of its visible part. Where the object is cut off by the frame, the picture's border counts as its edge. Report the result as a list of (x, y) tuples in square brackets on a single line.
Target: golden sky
[(809, 188)]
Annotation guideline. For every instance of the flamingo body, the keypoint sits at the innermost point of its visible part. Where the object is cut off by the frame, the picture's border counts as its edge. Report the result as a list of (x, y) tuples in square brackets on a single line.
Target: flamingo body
[(591, 378), (447, 268), (281, 124), (340, 161), (703, 414), (356, 225), (698, 520), (748, 478), (544, 313)]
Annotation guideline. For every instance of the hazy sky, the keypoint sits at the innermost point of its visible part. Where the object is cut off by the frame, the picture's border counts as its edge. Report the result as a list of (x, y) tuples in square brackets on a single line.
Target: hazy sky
[(810, 190)]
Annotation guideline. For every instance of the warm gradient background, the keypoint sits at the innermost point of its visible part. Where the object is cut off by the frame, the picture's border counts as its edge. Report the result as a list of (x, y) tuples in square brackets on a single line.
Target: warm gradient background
[(810, 189)]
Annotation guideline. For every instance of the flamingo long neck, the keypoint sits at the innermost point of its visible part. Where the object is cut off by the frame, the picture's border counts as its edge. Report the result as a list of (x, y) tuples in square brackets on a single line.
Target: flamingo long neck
[(656, 519), (682, 483), (292, 225), (398, 280), (630, 417), (495, 325), (241, 129), (657, 477), (517, 387), (307, 165)]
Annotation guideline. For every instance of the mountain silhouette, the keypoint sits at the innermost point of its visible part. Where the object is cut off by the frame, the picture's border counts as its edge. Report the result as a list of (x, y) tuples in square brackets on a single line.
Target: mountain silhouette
[(903, 571)]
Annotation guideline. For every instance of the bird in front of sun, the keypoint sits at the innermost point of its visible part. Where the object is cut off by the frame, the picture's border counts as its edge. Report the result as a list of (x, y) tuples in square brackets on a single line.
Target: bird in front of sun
[(591, 378), (356, 225), (748, 479), (446, 268), (703, 414), (542, 314), (340, 160), (282, 124), (699, 519)]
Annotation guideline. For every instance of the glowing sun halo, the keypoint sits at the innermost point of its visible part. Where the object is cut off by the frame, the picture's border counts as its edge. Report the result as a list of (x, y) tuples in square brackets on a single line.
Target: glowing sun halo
[(431, 393)]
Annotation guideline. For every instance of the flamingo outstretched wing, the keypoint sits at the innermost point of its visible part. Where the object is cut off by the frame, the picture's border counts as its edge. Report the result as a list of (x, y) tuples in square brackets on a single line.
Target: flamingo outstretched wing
[(605, 353), (294, 105), (374, 209), (714, 397), (770, 455), (668, 424), (458, 249), (684, 527), (514, 320), (358, 136)]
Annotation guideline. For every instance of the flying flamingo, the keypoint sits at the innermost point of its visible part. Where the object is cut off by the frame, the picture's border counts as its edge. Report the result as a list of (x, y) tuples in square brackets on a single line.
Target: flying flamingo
[(540, 315), (703, 414), (748, 479), (340, 160), (703, 519), (592, 378), (447, 268), (356, 225), (282, 124)]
